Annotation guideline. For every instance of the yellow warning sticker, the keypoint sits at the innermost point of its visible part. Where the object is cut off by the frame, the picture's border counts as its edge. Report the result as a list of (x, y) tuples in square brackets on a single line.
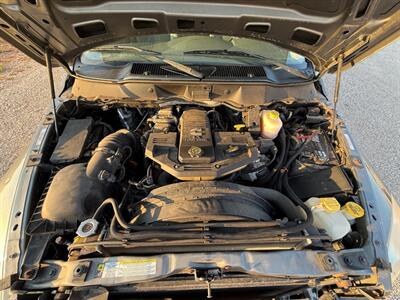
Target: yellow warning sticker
[(130, 268)]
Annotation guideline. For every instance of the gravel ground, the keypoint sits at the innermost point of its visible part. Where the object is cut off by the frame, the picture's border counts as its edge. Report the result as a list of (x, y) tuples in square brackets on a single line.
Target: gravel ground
[(368, 103), (24, 97)]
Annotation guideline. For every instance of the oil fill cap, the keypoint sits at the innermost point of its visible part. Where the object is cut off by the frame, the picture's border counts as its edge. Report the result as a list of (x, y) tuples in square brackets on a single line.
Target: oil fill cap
[(239, 127), (195, 151), (353, 209), (330, 204)]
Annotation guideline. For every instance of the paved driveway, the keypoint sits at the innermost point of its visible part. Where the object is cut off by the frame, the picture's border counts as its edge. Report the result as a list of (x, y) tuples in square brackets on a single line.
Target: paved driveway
[(370, 105)]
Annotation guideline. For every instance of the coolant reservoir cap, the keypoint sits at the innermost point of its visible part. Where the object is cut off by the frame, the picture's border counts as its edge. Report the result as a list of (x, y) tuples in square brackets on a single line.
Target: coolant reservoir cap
[(330, 204), (273, 115), (353, 209)]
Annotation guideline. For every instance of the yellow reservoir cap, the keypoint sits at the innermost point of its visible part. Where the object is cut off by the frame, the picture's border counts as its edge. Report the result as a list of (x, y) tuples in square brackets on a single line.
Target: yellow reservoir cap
[(273, 115), (330, 204), (238, 127), (353, 209)]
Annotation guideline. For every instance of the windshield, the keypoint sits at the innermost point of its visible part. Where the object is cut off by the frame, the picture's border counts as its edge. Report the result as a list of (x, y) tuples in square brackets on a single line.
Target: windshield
[(196, 51)]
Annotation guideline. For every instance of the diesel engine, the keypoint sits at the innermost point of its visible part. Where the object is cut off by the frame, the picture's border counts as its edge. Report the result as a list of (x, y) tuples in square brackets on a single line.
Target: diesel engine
[(197, 152), (185, 175)]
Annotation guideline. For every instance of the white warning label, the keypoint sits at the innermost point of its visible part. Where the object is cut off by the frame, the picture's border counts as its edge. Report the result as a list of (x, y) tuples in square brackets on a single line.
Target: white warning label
[(129, 268)]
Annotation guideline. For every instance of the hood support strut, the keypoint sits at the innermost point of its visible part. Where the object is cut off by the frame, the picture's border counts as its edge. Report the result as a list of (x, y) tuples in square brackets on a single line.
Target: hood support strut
[(47, 55), (337, 89)]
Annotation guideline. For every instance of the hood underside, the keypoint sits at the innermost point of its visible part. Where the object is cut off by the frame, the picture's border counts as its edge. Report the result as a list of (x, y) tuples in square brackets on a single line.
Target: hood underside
[(320, 30)]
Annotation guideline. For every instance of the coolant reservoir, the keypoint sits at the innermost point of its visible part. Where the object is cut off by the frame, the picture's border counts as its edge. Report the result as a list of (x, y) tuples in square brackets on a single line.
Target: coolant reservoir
[(270, 124), (327, 216)]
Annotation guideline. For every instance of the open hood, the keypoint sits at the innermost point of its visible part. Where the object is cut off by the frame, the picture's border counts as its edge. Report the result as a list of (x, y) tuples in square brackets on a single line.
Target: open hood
[(320, 30)]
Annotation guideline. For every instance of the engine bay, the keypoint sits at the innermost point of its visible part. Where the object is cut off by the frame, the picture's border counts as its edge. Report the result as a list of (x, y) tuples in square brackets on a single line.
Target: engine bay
[(196, 178)]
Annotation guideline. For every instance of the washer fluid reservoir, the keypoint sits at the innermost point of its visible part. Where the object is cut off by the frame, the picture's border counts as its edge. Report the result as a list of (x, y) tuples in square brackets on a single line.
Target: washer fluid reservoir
[(327, 216)]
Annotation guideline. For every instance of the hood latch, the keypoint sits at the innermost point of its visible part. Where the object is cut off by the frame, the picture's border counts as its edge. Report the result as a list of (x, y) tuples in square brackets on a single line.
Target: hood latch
[(207, 272)]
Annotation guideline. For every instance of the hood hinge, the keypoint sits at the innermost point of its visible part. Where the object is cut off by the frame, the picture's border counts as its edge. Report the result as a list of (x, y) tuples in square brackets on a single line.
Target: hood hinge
[(337, 89), (47, 55)]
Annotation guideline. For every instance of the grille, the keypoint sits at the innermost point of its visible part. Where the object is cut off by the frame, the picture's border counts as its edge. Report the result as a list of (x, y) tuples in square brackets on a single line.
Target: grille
[(215, 72), (239, 71)]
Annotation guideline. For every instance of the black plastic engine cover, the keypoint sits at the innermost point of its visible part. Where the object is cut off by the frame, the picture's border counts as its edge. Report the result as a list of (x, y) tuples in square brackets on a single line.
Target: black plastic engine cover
[(200, 154), (195, 143), (201, 201), (233, 152)]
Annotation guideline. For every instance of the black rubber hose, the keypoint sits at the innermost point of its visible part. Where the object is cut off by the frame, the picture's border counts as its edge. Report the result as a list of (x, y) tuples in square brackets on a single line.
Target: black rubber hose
[(105, 157), (296, 154), (117, 212), (278, 171), (105, 125), (280, 201), (293, 196), (285, 146), (164, 178), (265, 179), (289, 163)]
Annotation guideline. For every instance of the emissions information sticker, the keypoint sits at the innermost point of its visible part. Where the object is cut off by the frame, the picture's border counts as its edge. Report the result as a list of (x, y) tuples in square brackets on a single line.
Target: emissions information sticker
[(129, 268)]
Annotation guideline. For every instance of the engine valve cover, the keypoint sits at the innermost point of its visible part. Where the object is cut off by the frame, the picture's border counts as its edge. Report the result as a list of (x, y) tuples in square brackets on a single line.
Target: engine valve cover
[(201, 154), (195, 144), (233, 151)]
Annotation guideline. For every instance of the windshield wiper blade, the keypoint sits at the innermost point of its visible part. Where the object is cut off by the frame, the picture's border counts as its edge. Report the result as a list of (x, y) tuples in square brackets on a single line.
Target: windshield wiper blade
[(155, 54), (183, 68), (224, 52), (288, 69)]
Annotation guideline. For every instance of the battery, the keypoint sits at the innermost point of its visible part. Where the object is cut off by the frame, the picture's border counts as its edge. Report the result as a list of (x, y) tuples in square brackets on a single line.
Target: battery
[(325, 182), (317, 171), (318, 154)]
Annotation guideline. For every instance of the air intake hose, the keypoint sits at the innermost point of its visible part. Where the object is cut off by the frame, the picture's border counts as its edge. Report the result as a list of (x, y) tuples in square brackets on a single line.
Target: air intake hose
[(107, 162)]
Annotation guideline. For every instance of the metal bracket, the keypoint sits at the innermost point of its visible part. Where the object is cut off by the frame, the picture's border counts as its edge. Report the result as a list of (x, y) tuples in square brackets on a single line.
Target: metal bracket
[(89, 293), (207, 272), (199, 93), (49, 119), (34, 160), (81, 271), (33, 255), (6, 282), (328, 263), (383, 264)]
